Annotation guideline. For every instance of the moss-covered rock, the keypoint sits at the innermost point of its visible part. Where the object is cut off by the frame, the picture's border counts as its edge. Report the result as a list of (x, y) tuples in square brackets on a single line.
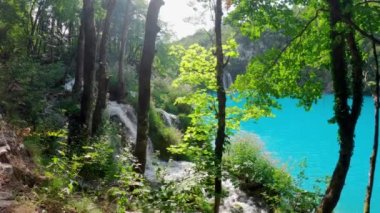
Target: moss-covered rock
[(163, 136)]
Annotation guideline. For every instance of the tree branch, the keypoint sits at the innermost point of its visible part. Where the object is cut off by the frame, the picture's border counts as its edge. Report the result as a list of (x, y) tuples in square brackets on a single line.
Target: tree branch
[(226, 62), (295, 38), (365, 2), (363, 32)]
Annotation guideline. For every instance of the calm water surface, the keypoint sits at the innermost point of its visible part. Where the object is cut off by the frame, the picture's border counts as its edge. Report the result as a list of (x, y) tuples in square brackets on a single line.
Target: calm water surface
[(296, 135)]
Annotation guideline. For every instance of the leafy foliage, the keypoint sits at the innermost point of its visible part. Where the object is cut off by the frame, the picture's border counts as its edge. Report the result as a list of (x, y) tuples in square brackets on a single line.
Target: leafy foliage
[(197, 70), (186, 194), (256, 173), (290, 71)]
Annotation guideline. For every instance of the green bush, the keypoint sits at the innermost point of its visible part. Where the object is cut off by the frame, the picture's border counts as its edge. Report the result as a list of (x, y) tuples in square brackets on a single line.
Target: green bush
[(252, 169), (185, 195)]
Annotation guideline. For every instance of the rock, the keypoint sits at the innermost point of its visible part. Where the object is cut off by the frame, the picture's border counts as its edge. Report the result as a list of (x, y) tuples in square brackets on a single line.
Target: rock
[(3, 154), (6, 196), (3, 142), (236, 208), (4, 149), (6, 169), (4, 204)]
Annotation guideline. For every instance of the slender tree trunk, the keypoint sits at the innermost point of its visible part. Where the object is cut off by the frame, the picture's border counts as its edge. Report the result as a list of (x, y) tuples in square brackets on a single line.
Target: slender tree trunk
[(102, 72), (367, 202), (151, 31), (40, 43), (220, 136), (345, 117), (88, 97), (52, 40), (70, 33), (33, 22), (120, 74), (78, 84)]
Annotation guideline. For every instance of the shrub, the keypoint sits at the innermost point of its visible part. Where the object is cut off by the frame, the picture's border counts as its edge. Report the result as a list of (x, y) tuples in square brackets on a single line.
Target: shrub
[(253, 170), (181, 196)]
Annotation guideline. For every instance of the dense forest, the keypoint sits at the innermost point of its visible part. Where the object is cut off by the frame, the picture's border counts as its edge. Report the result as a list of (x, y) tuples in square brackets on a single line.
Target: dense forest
[(103, 109)]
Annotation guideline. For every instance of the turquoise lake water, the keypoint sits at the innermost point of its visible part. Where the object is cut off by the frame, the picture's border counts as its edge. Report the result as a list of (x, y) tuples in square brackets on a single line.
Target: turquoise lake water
[(295, 135)]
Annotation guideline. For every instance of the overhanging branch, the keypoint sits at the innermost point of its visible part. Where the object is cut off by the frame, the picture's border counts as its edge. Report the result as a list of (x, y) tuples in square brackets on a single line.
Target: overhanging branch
[(363, 32), (366, 2), (295, 38)]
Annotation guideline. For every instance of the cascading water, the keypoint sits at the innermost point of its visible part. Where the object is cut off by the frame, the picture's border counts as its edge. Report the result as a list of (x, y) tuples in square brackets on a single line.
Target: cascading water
[(238, 201), (181, 171), (227, 80), (126, 114), (69, 85), (169, 119)]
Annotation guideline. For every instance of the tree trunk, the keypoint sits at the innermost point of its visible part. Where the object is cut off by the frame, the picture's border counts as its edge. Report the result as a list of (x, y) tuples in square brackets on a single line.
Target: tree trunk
[(70, 33), (78, 84), (220, 136), (151, 31), (367, 202), (52, 44), (102, 73), (33, 22), (120, 75), (346, 120), (88, 96)]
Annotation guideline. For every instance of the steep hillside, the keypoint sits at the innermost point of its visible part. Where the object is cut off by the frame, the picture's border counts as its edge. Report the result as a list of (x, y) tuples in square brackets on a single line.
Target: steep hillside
[(17, 170)]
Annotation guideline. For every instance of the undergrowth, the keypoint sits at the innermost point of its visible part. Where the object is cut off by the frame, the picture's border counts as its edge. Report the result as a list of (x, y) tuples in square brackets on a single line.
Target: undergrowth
[(255, 172)]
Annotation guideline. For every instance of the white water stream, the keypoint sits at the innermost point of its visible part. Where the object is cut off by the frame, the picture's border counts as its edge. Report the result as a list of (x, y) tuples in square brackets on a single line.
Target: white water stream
[(69, 85), (236, 201), (169, 119), (227, 80)]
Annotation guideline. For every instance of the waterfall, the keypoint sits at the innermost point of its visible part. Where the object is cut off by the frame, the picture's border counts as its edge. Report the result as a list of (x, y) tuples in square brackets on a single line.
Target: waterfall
[(169, 119), (69, 85), (126, 114), (238, 201), (180, 171), (227, 80)]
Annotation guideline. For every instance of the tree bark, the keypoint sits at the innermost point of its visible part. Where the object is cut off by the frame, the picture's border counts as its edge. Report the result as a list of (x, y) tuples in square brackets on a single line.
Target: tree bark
[(52, 44), (120, 76), (145, 72), (34, 22), (78, 84), (221, 95), (373, 158), (102, 71), (345, 117), (88, 96)]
